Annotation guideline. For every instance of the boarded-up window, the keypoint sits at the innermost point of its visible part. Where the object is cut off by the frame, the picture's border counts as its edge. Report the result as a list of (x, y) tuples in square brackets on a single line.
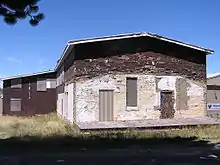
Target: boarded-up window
[(15, 105), (131, 92), (16, 83), (181, 94), (41, 85), (51, 83)]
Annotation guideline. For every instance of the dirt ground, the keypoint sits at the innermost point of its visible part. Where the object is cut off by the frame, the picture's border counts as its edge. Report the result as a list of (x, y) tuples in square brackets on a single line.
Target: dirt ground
[(120, 157), (201, 153)]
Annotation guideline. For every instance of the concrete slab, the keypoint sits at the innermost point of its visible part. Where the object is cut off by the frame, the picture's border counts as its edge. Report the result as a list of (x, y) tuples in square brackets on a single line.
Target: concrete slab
[(148, 123)]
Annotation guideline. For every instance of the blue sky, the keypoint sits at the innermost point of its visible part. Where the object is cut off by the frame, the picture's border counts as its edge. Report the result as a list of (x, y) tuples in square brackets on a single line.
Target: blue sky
[(26, 49)]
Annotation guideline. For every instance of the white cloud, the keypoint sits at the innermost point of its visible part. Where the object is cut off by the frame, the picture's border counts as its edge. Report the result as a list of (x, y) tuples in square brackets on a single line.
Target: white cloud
[(41, 61), (14, 60)]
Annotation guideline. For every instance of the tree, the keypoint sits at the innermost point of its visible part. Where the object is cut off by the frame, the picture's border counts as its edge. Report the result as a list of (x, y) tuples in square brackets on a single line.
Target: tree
[(13, 10)]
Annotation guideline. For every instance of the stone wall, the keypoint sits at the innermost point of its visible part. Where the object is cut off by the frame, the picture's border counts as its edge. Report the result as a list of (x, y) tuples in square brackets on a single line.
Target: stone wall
[(145, 63), (148, 87), (157, 64)]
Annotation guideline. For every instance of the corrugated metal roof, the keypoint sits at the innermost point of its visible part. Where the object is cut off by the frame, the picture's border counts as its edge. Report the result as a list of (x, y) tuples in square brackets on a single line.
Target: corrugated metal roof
[(27, 75), (213, 75), (71, 43), (131, 35)]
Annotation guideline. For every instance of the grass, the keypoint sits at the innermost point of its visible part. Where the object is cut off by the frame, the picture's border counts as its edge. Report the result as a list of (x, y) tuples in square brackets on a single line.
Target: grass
[(48, 134), (51, 125), (41, 126)]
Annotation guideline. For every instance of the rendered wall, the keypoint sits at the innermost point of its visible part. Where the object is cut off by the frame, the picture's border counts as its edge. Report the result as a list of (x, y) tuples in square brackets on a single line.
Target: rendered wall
[(65, 103), (92, 66), (148, 87)]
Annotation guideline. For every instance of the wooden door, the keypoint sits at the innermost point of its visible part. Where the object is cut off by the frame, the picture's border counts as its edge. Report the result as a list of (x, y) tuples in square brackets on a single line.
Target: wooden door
[(106, 105), (167, 105)]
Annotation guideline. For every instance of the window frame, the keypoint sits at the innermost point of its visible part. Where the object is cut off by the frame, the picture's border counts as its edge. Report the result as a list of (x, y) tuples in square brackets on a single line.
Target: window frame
[(15, 99), (131, 106), (49, 83), (40, 80)]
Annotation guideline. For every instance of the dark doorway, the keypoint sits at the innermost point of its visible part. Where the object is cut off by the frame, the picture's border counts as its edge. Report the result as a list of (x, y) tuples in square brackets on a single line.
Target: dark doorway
[(167, 108)]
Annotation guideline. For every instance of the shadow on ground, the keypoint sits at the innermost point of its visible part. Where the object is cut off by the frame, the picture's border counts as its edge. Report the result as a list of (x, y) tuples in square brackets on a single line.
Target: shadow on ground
[(107, 150)]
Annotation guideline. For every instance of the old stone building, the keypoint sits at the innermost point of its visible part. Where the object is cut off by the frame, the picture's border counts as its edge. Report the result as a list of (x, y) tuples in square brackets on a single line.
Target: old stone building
[(131, 77), (116, 79)]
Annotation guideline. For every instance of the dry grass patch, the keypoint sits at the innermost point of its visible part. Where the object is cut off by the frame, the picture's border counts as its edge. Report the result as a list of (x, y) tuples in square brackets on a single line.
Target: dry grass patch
[(41, 126), (51, 125), (201, 132)]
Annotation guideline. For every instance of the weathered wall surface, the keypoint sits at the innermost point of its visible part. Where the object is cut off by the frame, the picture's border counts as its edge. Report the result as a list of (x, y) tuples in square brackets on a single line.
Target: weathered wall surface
[(87, 97), (196, 93), (91, 66), (133, 56), (148, 87), (145, 63), (65, 103)]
